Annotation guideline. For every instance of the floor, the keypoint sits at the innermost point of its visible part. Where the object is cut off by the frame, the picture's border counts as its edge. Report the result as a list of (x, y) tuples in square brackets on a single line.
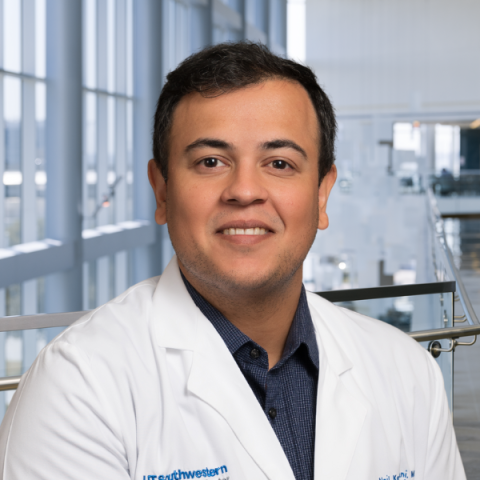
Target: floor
[(467, 359)]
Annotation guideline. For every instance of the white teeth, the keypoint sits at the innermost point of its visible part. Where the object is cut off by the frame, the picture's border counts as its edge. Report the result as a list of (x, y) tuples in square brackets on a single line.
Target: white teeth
[(245, 231)]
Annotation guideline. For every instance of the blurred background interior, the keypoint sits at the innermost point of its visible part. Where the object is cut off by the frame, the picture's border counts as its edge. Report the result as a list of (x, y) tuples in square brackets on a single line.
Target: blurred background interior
[(78, 85)]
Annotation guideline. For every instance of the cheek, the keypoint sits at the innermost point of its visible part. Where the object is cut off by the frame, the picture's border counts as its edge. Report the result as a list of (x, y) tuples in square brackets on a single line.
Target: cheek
[(298, 207), (188, 207)]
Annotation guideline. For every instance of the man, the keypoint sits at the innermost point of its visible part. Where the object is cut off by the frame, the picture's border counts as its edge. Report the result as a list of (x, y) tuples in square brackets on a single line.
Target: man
[(224, 366)]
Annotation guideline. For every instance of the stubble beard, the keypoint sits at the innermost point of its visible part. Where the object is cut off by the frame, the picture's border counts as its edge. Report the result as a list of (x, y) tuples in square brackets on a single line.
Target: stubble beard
[(224, 283)]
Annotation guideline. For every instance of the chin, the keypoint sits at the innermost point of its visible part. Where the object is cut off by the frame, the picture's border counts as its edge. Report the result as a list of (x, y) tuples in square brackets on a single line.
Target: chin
[(234, 276), (247, 280), (256, 279)]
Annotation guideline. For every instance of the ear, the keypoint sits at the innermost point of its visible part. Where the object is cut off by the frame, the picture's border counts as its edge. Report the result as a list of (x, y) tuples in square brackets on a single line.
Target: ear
[(323, 194), (160, 191)]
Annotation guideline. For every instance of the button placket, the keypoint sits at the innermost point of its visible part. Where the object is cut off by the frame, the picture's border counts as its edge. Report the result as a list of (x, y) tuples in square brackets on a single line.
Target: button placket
[(272, 390)]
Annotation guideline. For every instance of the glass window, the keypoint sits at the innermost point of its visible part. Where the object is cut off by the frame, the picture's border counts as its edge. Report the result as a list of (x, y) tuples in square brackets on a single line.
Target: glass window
[(40, 39), (108, 130), (90, 42), (23, 171), (90, 159), (40, 166), (24, 115), (407, 136), (12, 176), (12, 45)]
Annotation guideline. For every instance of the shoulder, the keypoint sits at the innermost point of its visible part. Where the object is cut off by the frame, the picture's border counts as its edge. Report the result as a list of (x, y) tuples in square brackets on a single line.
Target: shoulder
[(97, 356), (124, 316), (98, 371), (108, 342)]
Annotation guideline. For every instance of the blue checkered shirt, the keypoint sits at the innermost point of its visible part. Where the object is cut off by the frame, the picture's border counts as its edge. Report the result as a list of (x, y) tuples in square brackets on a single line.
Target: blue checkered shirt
[(288, 392)]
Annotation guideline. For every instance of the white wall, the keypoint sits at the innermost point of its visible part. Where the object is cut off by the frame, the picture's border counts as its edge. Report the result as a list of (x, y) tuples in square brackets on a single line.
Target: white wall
[(396, 56)]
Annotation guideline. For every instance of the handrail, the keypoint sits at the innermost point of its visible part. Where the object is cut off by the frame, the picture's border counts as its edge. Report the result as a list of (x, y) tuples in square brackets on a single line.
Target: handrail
[(9, 383), (353, 294), (442, 333), (49, 320), (41, 320)]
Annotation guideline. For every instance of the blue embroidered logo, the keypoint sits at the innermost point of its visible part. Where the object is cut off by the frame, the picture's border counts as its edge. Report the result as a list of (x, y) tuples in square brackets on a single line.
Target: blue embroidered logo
[(400, 476), (180, 474)]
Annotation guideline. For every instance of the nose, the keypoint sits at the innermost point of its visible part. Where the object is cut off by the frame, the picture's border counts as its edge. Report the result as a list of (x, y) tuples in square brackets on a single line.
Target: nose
[(245, 186)]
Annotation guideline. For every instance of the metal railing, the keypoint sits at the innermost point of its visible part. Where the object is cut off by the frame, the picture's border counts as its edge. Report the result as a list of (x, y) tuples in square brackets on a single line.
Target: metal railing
[(452, 333), (31, 322), (65, 319), (438, 227), (449, 270)]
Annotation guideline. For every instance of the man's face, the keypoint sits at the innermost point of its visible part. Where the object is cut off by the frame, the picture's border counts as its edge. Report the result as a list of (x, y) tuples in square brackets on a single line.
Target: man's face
[(242, 201)]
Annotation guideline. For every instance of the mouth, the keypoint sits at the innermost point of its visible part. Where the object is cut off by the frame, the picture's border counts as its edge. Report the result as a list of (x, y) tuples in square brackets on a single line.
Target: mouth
[(245, 231), (249, 227)]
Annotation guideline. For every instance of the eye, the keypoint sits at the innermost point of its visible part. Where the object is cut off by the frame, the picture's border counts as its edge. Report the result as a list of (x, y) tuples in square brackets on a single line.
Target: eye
[(280, 164), (212, 162)]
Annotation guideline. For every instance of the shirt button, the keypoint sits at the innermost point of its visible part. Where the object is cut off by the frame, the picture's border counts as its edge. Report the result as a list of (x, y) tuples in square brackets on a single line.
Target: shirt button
[(272, 413), (254, 353)]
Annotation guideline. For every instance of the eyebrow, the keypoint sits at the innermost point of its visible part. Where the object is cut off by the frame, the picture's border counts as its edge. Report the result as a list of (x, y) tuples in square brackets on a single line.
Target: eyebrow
[(270, 145), (283, 143), (209, 142)]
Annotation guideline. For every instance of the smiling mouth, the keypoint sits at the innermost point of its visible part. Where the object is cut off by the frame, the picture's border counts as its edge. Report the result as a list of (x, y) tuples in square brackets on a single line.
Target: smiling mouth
[(245, 231)]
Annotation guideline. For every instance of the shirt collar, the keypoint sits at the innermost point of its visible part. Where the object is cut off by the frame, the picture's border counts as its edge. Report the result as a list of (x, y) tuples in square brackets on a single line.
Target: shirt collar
[(301, 332)]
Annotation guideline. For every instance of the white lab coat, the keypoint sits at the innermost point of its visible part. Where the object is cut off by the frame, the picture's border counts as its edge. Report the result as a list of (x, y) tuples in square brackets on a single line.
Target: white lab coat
[(145, 388)]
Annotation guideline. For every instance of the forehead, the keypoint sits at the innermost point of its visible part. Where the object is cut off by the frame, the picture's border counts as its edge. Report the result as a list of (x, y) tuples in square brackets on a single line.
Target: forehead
[(273, 108)]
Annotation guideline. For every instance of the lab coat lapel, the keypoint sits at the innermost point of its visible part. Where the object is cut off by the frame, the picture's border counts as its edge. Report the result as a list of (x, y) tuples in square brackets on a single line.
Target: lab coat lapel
[(217, 380), (214, 376), (341, 411)]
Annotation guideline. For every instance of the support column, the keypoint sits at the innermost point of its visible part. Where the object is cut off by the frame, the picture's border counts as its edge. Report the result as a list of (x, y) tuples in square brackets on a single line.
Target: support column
[(64, 147), (148, 81), (201, 19)]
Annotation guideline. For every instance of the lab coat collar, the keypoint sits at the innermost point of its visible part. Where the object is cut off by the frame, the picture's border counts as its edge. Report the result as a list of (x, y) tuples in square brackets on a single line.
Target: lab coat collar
[(341, 411), (172, 300), (174, 314), (328, 341)]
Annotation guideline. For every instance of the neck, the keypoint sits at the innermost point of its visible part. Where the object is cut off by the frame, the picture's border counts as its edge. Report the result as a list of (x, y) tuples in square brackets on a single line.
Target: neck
[(265, 317)]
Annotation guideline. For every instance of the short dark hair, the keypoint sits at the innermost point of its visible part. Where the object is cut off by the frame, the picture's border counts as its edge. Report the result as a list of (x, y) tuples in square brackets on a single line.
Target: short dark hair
[(230, 66)]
